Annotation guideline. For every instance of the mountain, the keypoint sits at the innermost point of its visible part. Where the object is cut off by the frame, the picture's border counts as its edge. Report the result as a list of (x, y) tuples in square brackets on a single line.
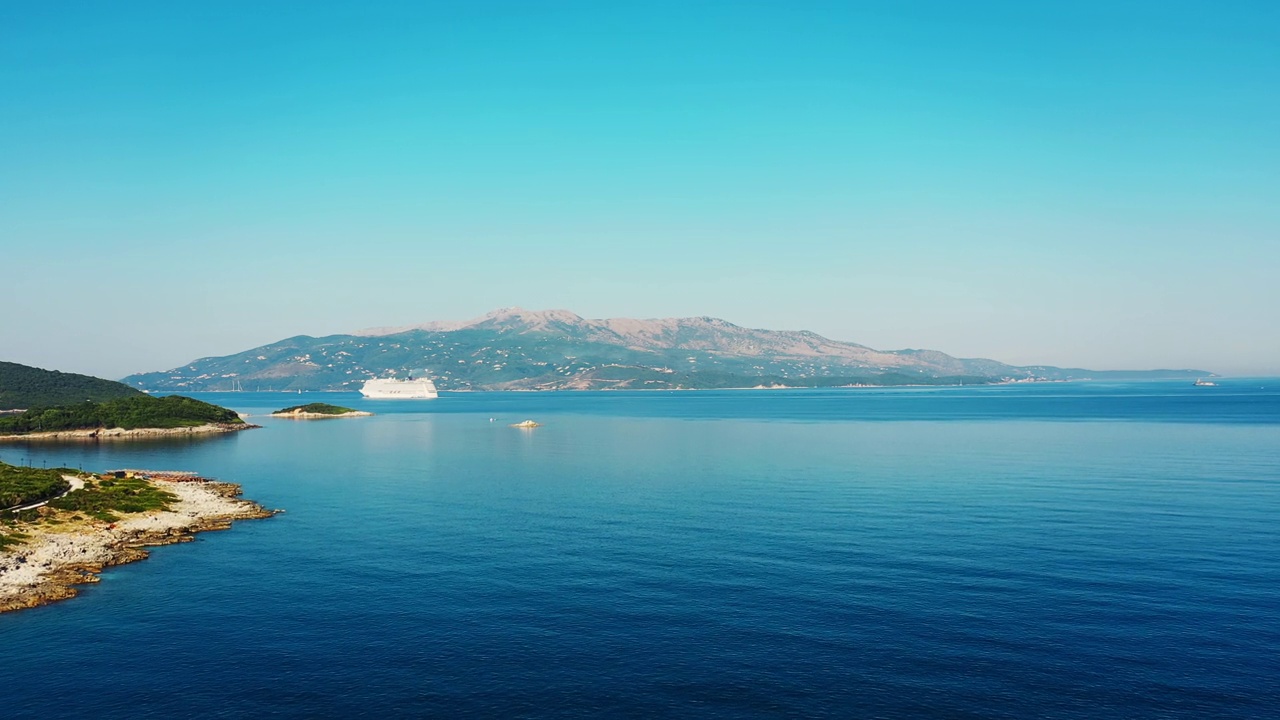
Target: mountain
[(515, 349), (23, 386)]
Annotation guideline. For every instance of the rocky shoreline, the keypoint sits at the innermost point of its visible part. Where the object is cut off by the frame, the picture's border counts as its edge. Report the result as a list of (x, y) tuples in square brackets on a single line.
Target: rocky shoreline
[(55, 558), (123, 434)]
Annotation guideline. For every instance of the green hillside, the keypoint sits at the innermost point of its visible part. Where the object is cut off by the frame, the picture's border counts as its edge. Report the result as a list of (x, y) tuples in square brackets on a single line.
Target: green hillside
[(143, 411), (22, 387)]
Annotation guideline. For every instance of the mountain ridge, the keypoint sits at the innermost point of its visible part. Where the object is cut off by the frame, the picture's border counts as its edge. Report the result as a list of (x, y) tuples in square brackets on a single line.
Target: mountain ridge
[(518, 349), (648, 334)]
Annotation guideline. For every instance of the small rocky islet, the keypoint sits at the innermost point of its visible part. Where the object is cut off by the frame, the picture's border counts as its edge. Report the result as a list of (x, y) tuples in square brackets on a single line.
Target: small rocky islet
[(319, 411)]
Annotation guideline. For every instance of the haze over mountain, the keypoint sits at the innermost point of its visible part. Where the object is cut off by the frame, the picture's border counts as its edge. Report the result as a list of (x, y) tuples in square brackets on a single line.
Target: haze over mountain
[(517, 349)]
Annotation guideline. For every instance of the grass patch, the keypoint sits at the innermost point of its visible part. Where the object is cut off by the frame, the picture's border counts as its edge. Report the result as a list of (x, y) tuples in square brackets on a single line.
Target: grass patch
[(102, 499), (12, 539), (25, 485)]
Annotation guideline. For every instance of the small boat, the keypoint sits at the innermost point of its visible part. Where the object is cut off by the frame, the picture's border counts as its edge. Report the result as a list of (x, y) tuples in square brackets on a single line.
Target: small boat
[(1205, 383)]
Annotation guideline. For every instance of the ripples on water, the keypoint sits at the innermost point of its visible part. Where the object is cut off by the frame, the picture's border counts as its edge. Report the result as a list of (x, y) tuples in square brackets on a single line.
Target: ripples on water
[(1038, 551)]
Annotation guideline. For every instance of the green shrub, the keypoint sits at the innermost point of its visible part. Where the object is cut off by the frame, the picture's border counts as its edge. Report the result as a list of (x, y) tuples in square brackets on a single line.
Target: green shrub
[(103, 499), (26, 485)]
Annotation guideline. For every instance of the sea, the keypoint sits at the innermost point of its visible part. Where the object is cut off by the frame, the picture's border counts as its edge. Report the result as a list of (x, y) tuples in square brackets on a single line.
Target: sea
[(1043, 550)]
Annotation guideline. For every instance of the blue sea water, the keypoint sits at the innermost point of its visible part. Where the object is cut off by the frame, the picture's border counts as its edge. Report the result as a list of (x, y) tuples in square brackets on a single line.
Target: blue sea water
[(1050, 551)]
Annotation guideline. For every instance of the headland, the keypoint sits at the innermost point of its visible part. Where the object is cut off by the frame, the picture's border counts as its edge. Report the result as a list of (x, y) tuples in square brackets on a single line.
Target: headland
[(48, 548)]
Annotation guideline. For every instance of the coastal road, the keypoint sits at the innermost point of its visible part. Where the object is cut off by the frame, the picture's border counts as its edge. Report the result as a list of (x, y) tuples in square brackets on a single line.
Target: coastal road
[(76, 484)]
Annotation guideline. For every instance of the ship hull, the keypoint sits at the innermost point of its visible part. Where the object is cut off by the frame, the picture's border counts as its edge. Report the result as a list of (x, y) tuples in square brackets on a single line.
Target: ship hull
[(420, 389)]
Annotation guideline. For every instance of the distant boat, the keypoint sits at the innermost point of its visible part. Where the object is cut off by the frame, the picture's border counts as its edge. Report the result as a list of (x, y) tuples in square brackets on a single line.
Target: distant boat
[(393, 389), (1205, 383)]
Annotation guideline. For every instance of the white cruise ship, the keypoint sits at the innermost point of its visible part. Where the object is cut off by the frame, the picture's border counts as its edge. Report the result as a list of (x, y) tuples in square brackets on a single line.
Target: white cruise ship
[(393, 389)]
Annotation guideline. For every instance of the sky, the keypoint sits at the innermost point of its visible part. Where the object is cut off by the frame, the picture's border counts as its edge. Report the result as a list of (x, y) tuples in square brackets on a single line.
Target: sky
[(1081, 184)]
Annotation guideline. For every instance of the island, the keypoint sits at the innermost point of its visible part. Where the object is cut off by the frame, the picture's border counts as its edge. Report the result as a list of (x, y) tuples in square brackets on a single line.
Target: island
[(60, 527), (319, 411), (516, 349), (134, 417), (47, 404)]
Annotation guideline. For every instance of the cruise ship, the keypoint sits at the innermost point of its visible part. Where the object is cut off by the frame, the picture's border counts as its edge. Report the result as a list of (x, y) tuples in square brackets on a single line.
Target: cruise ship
[(392, 389)]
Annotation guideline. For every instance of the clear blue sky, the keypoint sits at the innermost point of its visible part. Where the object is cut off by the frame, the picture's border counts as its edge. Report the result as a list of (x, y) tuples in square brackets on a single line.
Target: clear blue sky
[(1073, 183)]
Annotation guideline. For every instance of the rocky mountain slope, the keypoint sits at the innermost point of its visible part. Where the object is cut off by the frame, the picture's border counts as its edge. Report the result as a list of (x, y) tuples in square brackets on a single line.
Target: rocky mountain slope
[(515, 349)]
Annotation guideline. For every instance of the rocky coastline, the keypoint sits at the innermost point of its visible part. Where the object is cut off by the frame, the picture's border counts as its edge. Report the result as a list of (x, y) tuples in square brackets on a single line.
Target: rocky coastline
[(123, 434), (55, 558)]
